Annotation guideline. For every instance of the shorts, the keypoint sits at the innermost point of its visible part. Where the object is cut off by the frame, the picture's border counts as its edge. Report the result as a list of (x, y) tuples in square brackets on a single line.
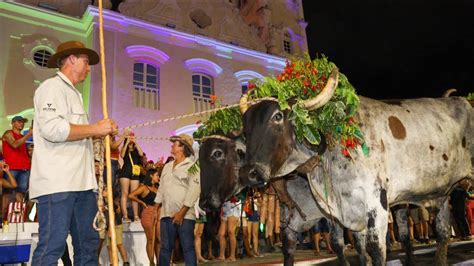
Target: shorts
[(419, 214), (22, 178), (118, 235), (254, 217), (390, 217), (202, 219), (321, 226)]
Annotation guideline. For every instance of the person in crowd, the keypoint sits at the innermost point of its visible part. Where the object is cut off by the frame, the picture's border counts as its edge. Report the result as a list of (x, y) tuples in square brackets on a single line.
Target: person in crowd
[(62, 175), (115, 154), (145, 195), (253, 218), (16, 156), (458, 199), (231, 211), (322, 226), (7, 180), (130, 178), (201, 220), (177, 194), (420, 217), (29, 149), (107, 235), (391, 230)]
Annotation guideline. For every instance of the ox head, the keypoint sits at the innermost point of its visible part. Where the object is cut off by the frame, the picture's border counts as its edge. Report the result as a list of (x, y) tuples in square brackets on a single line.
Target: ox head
[(272, 149), (220, 159)]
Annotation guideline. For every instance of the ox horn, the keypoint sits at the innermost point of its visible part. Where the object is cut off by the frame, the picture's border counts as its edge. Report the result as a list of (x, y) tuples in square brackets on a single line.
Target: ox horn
[(243, 103), (448, 92), (326, 94)]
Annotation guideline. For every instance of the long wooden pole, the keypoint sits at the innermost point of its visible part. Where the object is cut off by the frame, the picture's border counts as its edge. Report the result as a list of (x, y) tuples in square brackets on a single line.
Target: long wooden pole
[(110, 199)]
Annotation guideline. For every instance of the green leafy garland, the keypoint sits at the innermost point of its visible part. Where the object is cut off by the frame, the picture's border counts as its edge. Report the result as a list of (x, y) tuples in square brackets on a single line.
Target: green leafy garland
[(302, 79)]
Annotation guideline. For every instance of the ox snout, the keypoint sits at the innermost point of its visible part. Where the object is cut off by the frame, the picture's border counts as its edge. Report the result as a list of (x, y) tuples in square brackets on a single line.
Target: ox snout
[(204, 205), (251, 175), (210, 203)]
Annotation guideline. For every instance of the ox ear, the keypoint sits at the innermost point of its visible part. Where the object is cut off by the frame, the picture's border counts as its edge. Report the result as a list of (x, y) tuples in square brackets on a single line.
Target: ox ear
[(292, 101)]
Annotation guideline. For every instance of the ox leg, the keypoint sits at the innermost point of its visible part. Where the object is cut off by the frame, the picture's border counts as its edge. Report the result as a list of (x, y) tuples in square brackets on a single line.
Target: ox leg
[(402, 221), (289, 246), (443, 233), (337, 241), (376, 232), (289, 236), (360, 245)]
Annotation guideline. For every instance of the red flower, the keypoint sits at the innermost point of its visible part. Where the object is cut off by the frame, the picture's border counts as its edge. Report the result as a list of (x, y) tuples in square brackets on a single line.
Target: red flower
[(213, 99), (314, 88), (305, 91), (307, 83), (351, 120), (345, 152), (252, 86)]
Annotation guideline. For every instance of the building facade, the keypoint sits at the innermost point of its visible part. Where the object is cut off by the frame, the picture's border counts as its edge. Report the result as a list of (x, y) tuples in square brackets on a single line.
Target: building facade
[(163, 58)]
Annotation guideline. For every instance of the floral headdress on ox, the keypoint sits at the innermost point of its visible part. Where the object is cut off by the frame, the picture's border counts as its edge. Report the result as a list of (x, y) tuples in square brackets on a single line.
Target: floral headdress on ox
[(301, 81)]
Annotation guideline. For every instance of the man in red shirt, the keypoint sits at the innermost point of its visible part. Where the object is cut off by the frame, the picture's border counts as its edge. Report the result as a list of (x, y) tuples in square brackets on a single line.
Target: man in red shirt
[(16, 156)]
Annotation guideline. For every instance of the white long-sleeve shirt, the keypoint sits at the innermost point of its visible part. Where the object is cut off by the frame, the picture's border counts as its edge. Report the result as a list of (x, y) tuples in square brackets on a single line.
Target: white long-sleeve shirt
[(59, 165), (178, 188)]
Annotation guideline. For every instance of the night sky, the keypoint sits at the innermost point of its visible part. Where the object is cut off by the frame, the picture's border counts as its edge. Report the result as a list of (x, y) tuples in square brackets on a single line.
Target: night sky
[(399, 48)]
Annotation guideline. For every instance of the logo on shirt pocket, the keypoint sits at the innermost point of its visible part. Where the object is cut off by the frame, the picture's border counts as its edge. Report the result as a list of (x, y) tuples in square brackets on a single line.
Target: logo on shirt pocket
[(49, 108)]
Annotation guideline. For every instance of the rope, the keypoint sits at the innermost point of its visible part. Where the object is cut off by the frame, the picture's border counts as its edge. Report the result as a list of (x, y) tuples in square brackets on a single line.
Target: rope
[(110, 200), (153, 122), (99, 223)]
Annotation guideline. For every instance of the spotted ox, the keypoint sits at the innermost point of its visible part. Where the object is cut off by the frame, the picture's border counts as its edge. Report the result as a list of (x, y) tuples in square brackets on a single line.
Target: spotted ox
[(220, 159), (419, 149)]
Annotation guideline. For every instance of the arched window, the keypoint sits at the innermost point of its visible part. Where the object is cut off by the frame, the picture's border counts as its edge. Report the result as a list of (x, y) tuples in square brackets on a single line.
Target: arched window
[(146, 86), (245, 76), (203, 88), (287, 43)]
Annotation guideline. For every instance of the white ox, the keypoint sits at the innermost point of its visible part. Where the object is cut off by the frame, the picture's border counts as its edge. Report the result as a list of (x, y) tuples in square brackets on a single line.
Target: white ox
[(419, 149)]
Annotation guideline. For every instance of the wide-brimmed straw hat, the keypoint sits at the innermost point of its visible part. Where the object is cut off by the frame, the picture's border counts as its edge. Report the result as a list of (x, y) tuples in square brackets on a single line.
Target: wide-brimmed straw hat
[(184, 139), (69, 48)]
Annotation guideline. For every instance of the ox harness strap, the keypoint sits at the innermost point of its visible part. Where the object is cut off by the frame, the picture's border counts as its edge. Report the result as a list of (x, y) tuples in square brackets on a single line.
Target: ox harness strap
[(279, 184)]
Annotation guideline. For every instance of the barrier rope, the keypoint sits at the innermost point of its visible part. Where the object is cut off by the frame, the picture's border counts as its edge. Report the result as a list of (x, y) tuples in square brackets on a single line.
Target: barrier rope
[(110, 200), (150, 123)]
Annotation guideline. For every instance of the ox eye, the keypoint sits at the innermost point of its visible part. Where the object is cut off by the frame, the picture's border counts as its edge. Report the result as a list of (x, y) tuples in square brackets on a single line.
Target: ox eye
[(217, 154), (278, 117)]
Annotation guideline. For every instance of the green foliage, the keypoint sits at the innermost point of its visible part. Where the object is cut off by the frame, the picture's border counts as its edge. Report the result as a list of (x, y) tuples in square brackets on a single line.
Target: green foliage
[(302, 80), (221, 122), (470, 96)]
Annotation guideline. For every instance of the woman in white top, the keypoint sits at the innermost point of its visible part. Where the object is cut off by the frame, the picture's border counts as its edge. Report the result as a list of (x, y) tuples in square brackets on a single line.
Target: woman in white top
[(231, 211)]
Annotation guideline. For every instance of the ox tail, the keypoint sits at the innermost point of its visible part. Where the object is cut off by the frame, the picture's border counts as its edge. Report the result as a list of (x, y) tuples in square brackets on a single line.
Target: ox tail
[(448, 92)]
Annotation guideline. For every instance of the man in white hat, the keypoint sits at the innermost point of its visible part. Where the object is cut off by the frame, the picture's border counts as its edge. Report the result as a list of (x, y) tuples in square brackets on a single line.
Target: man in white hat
[(178, 192), (62, 176)]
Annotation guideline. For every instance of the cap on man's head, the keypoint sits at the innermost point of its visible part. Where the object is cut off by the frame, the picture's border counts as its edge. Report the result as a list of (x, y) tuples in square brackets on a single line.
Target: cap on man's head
[(72, 47), (184, 139), (19, 118)]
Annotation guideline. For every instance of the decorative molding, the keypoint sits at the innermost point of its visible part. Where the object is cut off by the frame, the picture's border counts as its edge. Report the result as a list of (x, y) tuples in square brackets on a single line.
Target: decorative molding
[(201, 65), (128, 25), (147, 53), (244, 76)]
